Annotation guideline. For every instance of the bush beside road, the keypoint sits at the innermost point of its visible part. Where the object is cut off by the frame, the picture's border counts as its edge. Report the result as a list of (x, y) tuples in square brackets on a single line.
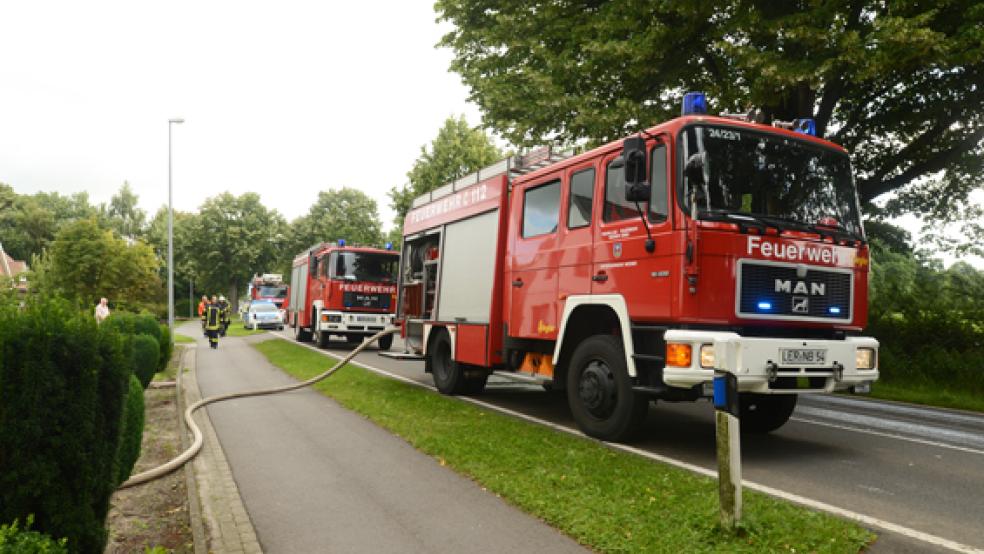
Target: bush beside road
[(606, 499)]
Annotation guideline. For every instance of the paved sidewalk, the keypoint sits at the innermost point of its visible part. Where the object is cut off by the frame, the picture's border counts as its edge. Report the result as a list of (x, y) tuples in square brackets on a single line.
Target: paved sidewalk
[(229, 528), (315, 477)]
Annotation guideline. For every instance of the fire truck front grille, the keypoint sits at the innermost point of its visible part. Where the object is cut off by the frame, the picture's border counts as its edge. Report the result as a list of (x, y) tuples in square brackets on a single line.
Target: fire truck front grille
[(788, 291), (365, 300)]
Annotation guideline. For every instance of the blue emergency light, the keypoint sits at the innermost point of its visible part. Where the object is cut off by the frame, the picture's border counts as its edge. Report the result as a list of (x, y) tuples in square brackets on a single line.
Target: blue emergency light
[(765, 306), (694, 103), (805, 126), (834, 310), (389, 245), (341, 242)]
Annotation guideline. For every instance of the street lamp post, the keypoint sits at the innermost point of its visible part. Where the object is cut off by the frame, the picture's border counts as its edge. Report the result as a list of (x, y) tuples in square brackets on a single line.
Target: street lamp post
[(170, 232)]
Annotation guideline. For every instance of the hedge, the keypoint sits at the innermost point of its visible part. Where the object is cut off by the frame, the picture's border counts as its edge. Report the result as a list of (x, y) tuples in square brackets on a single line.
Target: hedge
[(132, 434), (167, 348), (17, 540), (63, 381), (146, 356), (146, 324)]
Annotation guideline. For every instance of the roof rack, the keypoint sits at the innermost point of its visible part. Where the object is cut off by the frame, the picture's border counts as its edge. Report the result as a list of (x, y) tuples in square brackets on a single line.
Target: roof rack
[(520, 164)]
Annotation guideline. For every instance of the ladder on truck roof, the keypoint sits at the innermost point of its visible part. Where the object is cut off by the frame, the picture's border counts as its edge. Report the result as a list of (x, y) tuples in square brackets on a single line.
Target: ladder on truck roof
[(517, 165)]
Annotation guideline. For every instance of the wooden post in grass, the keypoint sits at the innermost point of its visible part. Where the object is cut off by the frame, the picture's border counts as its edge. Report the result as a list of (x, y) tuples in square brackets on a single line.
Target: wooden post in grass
[(728, 447)]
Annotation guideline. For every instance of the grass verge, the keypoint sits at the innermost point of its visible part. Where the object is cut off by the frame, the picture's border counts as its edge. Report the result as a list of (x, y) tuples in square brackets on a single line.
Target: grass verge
[(605, 499), (237, 330), (929, 395), (182, 339)]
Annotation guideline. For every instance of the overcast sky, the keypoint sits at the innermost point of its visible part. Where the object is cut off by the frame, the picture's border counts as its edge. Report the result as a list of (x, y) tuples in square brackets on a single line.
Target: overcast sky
[(281, 98)]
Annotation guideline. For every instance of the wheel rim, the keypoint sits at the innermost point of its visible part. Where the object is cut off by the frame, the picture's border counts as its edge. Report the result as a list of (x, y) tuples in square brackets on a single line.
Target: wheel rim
[(597, 389)]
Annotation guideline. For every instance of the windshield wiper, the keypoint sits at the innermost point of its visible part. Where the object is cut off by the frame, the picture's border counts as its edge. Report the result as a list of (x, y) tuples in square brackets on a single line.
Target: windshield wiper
[(761, 222)]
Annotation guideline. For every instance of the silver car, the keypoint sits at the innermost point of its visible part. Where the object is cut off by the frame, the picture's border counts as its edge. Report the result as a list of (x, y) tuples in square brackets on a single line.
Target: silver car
[(263, 315)]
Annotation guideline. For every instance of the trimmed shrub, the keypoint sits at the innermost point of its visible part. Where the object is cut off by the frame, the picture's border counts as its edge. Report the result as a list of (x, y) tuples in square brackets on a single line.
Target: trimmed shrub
[(132, 434), (14, 540), (123, 322), (63, 381), (146, 324), (167, 348), (146, 353)]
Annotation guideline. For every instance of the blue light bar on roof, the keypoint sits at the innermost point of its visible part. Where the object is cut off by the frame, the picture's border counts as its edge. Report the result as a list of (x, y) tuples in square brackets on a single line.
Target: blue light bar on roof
[(694, 103), (341, 242), (805, 126), (389, 245)]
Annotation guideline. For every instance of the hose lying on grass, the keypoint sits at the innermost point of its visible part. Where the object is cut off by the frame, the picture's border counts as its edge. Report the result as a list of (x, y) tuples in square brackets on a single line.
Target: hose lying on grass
[(196, 445)]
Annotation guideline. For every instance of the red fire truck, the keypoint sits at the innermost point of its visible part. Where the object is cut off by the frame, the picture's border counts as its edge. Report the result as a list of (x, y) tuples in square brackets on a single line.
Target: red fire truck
[(269, 287), (629, 273), (341, 290)]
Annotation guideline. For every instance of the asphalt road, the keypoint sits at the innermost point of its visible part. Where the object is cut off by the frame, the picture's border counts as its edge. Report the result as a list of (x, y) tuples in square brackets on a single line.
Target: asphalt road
[(315, 477), (920, 468)]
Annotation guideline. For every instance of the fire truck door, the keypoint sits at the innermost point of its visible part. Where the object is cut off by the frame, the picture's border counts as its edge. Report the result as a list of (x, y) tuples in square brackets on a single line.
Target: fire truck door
[(621, 263), (535, 254), (575, 238)]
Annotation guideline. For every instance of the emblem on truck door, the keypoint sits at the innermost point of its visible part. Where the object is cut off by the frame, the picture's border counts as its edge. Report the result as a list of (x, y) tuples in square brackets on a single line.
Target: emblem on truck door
[(617, 249)]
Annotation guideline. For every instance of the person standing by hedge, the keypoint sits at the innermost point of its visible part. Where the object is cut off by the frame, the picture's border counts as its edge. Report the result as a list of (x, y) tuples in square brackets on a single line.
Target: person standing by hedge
[(213, 322), (102, 310)]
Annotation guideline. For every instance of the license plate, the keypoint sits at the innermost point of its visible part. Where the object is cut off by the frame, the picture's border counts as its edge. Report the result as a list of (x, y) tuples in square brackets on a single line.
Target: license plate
[(803, 356), (371, 318)]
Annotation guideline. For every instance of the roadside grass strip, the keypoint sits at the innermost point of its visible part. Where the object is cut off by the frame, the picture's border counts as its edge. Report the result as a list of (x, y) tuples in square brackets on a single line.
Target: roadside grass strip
[(183, 339), (929, 395), (608, 500), (235, 330)]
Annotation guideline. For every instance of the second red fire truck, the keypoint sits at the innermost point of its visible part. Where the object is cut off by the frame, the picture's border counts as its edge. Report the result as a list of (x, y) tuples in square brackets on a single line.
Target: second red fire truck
[(346, 291), (633, 271)]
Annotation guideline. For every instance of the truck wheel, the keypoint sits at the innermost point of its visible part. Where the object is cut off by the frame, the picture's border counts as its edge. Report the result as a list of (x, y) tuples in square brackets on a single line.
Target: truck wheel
[(599, 390), (323, 339), (385, 342), (300, 334), (764, 413)]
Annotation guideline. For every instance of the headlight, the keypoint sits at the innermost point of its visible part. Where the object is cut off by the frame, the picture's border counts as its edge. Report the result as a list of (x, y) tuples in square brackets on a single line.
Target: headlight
[(707, 356), (678, 355), (865, 358)]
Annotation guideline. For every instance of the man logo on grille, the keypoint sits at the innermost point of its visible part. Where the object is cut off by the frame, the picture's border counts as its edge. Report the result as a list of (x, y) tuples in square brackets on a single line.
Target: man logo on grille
[(801, 305)]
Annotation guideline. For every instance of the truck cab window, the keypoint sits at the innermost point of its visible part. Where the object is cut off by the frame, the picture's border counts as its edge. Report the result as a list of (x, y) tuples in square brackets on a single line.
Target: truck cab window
[(541, 209), (617, 207), (580, 199), (658, 202)]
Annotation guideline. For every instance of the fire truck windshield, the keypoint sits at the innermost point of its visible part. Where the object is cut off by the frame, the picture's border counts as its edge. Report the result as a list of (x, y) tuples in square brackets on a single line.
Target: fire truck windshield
[(272, 292), (771, 177), (363, 266)]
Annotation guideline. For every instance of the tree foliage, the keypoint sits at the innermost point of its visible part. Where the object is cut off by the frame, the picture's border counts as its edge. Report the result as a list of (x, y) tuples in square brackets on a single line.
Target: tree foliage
[(231, 238), (87, 262), (456, 151), (345, 213), (897, 83), (124, 216)]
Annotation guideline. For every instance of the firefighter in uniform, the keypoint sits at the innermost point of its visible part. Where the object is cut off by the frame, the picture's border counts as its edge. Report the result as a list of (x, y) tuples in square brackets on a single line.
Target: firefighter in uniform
[(201, 312), (225, 316), (213, 322)]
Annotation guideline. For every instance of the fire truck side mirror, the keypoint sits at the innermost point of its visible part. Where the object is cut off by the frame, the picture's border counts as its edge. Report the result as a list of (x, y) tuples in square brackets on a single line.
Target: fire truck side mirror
[(634, 162)]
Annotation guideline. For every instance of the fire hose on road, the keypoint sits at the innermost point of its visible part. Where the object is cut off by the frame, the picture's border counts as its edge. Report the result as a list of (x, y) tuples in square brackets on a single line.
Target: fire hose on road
[(196, 444)]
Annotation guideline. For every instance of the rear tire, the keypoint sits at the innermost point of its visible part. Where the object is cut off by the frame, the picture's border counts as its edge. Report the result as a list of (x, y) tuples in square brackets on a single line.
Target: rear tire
[(300, 334), (449, 375), (764, 413), (599, 391), (385, 342)]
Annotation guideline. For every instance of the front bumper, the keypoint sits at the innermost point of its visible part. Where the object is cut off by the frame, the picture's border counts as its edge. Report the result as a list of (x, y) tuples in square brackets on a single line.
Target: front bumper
[(756, 361), (354, 323)]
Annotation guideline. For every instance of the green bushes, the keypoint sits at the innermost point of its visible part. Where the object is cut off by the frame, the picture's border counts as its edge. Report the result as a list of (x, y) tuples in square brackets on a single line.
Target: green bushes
[(145, 324), (146, 355), (167, 348), (63, 381), (132, 434), (17, 540)]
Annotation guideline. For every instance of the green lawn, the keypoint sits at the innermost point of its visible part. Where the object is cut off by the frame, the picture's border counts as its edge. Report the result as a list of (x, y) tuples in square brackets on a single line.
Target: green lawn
[(182, 339), (236, 329), (928, 394), (608, 500)]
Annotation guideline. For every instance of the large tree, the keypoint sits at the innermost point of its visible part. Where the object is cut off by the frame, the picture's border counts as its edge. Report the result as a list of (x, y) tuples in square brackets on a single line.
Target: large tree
[(456, 151), (345, 213), (87, 261), (233, 238), (28, 223), (123, 215), (898, 83)]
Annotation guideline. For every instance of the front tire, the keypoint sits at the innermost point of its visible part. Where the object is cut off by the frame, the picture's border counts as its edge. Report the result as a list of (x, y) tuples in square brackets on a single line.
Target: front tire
[(323, 339), (599, 391), (764, 413), (385, 342)]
